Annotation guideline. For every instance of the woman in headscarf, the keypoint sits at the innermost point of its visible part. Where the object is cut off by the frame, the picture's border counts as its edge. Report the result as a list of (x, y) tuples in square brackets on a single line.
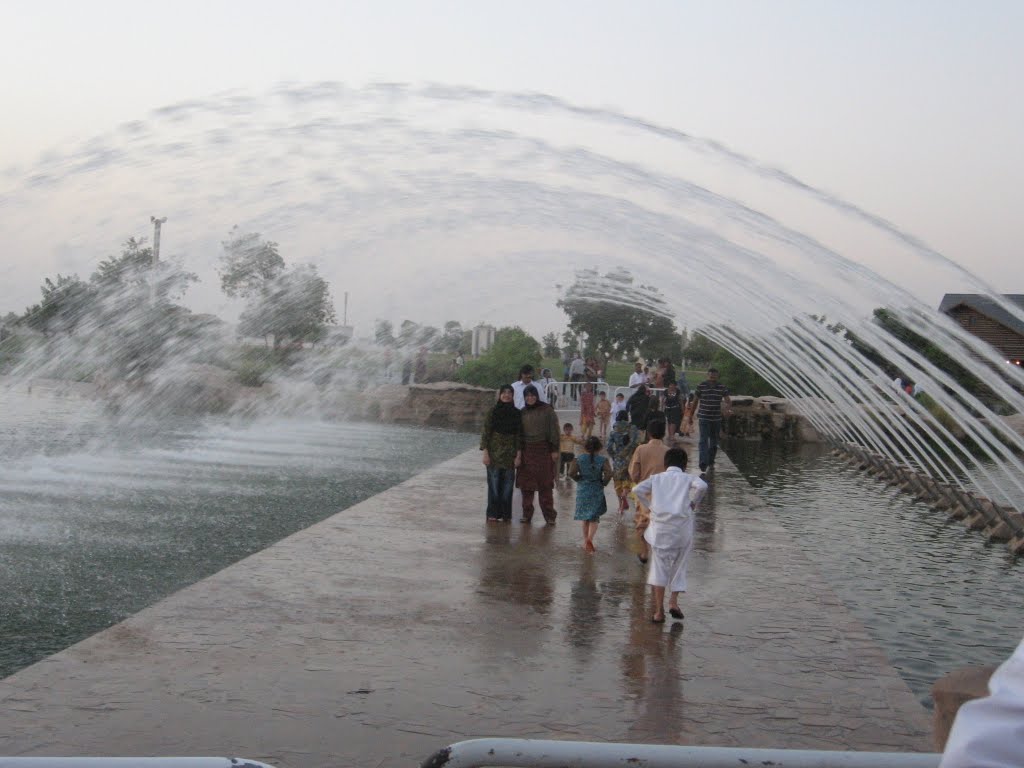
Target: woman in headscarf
[(620, 448), (637, 406), (502, 444), (540, 456)]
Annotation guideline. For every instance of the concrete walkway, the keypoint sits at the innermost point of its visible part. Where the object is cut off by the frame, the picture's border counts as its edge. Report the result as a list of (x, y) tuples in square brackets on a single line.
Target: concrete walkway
[(406, 623)]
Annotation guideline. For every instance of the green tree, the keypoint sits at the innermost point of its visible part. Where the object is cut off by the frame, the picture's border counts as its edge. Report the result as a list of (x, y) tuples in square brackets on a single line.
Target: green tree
[(551, 347), (407, 333), (384, 333), (248, 264), (618, 317), (296, 306), (428, 336), (65, 304), (570, 343), (451, 340), (701, 350), (513, 347), (739, 377)]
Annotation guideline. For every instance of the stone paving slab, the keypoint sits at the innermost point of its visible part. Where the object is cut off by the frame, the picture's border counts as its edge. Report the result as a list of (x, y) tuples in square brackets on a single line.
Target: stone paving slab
[(406, 622)]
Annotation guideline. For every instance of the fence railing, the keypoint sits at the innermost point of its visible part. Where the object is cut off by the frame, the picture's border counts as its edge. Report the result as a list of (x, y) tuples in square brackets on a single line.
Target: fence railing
[(479, 753), (130, 762)]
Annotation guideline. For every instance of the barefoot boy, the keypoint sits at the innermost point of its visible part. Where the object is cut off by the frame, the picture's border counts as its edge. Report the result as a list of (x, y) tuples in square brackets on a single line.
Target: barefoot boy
[(671, 496), (604, 412)]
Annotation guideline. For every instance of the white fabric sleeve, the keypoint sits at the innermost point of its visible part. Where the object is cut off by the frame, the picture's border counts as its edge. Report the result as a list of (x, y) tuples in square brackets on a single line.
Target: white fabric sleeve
[(643, 491)]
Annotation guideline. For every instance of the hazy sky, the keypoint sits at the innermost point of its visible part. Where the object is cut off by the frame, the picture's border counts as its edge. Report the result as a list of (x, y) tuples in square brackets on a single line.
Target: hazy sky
[(912, 110)]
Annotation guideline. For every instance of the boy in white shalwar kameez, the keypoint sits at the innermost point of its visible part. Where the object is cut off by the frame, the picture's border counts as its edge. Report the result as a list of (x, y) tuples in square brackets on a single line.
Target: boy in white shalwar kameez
[(671, 496)]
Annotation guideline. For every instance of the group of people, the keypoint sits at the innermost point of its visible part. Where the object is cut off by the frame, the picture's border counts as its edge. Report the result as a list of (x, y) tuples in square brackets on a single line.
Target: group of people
[(523, 446)]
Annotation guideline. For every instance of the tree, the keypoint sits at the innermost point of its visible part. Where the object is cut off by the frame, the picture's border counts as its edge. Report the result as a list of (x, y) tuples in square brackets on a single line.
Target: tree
[(570, 343), (740, 377), (295, 306), (513, 347), (452, 338), (618, 317), (384, 333), (248, 264), (551, 348), (700, 350), (64, 305), (407, 333), (427, 336)]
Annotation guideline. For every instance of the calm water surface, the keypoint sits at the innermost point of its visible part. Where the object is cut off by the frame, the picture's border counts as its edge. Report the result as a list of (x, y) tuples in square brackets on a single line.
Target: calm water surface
[(100, 519), (934, 595)]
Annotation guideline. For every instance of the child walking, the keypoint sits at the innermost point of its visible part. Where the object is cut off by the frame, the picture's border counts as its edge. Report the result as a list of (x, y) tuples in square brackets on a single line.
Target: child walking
[(672, 496), (604, 412), (591, 473), (687, 424), (567, 443), (588, 412)]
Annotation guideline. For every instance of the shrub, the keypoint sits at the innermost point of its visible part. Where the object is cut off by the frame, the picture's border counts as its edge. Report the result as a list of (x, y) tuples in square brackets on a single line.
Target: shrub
[(513, 348)]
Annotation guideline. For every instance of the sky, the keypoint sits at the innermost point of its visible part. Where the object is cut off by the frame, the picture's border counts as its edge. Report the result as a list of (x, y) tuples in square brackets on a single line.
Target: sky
[(910, 110)]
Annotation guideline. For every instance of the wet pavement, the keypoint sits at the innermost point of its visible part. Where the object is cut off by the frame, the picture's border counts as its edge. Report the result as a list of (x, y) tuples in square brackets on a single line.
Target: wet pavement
[(407, 622)]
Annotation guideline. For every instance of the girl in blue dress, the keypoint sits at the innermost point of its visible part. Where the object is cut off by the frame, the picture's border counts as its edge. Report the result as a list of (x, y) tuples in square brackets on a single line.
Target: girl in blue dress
[(591, 473)]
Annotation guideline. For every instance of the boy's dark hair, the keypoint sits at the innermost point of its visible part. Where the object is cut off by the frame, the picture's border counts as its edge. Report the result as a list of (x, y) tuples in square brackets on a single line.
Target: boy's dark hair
[(567, 424), (675, 457), (593, 445), (622, 416), (619, 394), (656, 429), (713, 370), (526, 369)]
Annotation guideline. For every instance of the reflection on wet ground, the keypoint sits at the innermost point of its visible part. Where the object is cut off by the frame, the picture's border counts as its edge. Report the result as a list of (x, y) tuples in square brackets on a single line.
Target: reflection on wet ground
[(442, 627)]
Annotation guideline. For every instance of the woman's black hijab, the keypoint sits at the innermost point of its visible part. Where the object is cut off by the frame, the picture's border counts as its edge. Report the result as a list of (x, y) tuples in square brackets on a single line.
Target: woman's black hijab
[(530, 389), (505, 418)]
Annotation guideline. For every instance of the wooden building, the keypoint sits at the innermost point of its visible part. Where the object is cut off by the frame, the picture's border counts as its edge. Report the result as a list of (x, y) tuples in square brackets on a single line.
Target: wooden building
[(981, 316)]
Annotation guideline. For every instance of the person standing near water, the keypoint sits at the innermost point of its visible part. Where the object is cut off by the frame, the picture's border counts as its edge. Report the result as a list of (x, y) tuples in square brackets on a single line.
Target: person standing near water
[(591, 473), (502, 444), (540, 456), (710, 395), (525, 380)]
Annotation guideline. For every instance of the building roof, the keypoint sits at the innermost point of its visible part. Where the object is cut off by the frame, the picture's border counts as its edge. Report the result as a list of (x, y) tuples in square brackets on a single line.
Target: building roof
[(979, 302)]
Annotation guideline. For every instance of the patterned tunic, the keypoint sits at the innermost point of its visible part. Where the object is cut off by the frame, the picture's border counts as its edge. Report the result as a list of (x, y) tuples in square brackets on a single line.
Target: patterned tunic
[(594, 472), (502, 448)]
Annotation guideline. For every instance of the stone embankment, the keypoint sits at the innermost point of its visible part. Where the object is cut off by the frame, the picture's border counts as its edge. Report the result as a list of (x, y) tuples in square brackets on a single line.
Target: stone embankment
[(769, 418), (996, 522)]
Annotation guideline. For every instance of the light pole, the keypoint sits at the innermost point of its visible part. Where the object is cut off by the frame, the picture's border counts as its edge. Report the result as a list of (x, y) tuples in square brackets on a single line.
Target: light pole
[(156, 236)]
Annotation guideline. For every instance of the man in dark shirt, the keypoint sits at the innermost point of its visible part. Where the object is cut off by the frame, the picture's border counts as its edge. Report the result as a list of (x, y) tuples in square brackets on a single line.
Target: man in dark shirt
[(711, 394)]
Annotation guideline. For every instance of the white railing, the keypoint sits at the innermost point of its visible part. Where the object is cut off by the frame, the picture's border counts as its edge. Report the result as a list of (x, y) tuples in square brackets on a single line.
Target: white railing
[(479, 753), (130, 762)]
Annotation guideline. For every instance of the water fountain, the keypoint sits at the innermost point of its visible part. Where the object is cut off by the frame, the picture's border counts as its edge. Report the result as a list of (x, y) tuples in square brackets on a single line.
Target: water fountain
[(442, 198), (449, 195)]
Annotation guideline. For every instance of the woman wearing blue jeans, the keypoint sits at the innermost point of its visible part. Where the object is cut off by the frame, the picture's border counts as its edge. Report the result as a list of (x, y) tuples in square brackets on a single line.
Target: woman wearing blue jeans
[(502, 444)]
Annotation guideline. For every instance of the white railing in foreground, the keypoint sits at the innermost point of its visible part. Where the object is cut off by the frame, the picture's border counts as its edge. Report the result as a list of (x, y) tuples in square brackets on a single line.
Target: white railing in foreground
[(130, 762), (478, 753)]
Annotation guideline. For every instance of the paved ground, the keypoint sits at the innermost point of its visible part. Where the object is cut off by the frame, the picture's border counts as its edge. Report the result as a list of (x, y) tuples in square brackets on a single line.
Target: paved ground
[(406, 623)]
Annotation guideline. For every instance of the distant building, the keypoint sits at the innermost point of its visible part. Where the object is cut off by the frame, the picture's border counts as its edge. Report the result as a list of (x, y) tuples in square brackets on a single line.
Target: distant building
[(483, 339), (981, 316)]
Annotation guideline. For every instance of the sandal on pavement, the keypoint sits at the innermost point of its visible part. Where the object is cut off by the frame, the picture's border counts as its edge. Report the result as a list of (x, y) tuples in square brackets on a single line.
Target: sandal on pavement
[(675, 613)]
